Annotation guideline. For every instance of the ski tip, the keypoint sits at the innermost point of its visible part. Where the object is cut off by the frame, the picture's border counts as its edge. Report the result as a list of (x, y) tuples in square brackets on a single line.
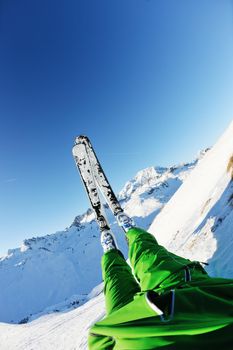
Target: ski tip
[(81, 139)]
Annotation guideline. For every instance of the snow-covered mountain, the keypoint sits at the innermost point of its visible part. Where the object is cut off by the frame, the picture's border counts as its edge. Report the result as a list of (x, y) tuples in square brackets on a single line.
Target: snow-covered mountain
[(50, 270), (188, 207), (198, 220)]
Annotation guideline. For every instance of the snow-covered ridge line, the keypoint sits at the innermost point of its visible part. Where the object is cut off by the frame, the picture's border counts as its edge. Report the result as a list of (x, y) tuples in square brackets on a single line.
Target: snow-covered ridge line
[(201, 211), (48, 270)]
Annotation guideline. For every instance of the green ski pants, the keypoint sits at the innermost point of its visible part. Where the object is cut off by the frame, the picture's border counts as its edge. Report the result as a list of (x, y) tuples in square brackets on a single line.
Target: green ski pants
[(152, 265)]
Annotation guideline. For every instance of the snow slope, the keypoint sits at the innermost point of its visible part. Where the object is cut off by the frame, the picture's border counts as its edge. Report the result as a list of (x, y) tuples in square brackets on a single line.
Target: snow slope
[(57, 331), (198, 220)]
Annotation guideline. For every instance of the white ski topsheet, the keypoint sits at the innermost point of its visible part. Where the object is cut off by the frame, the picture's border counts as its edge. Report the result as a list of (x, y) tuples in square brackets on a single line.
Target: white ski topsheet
[(83, 163), (93, 174)]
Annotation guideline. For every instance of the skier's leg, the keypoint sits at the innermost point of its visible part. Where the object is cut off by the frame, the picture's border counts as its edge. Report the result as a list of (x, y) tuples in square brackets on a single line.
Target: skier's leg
[(152, 264), (120, 285)]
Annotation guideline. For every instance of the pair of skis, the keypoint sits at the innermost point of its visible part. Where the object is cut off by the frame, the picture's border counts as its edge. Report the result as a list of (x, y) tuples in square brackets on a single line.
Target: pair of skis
[(95, 181)]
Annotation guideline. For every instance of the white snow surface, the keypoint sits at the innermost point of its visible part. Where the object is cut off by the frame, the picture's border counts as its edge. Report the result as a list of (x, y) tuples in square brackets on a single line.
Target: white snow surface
[(66, 330), (197, 221), (52, 284)]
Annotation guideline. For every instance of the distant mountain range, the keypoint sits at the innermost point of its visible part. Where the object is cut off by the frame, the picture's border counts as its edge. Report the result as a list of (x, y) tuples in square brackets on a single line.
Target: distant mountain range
[(48, 270)]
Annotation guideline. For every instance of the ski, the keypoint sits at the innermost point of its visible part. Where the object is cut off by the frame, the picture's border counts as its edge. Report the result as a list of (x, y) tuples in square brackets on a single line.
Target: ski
[(86, 172), (98, 173), (94, 179)]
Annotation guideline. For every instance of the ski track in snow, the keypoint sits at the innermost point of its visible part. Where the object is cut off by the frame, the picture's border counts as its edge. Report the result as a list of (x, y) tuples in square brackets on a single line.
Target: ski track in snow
[(56, 331)]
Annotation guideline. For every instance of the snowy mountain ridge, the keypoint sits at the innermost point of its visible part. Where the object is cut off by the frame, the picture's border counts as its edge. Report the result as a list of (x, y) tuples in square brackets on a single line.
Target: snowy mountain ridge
[(48, 270), (201, 211)]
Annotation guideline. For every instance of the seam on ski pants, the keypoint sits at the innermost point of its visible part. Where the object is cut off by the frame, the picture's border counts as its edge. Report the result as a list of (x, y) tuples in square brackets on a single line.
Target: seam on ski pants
[(120, 285)]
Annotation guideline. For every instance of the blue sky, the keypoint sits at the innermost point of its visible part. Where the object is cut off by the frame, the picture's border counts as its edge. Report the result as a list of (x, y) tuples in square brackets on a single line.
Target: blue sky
[(150, 82)]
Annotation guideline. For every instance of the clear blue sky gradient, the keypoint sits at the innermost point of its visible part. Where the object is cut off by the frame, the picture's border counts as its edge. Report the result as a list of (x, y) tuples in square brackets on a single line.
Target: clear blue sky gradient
[(150, 82)]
